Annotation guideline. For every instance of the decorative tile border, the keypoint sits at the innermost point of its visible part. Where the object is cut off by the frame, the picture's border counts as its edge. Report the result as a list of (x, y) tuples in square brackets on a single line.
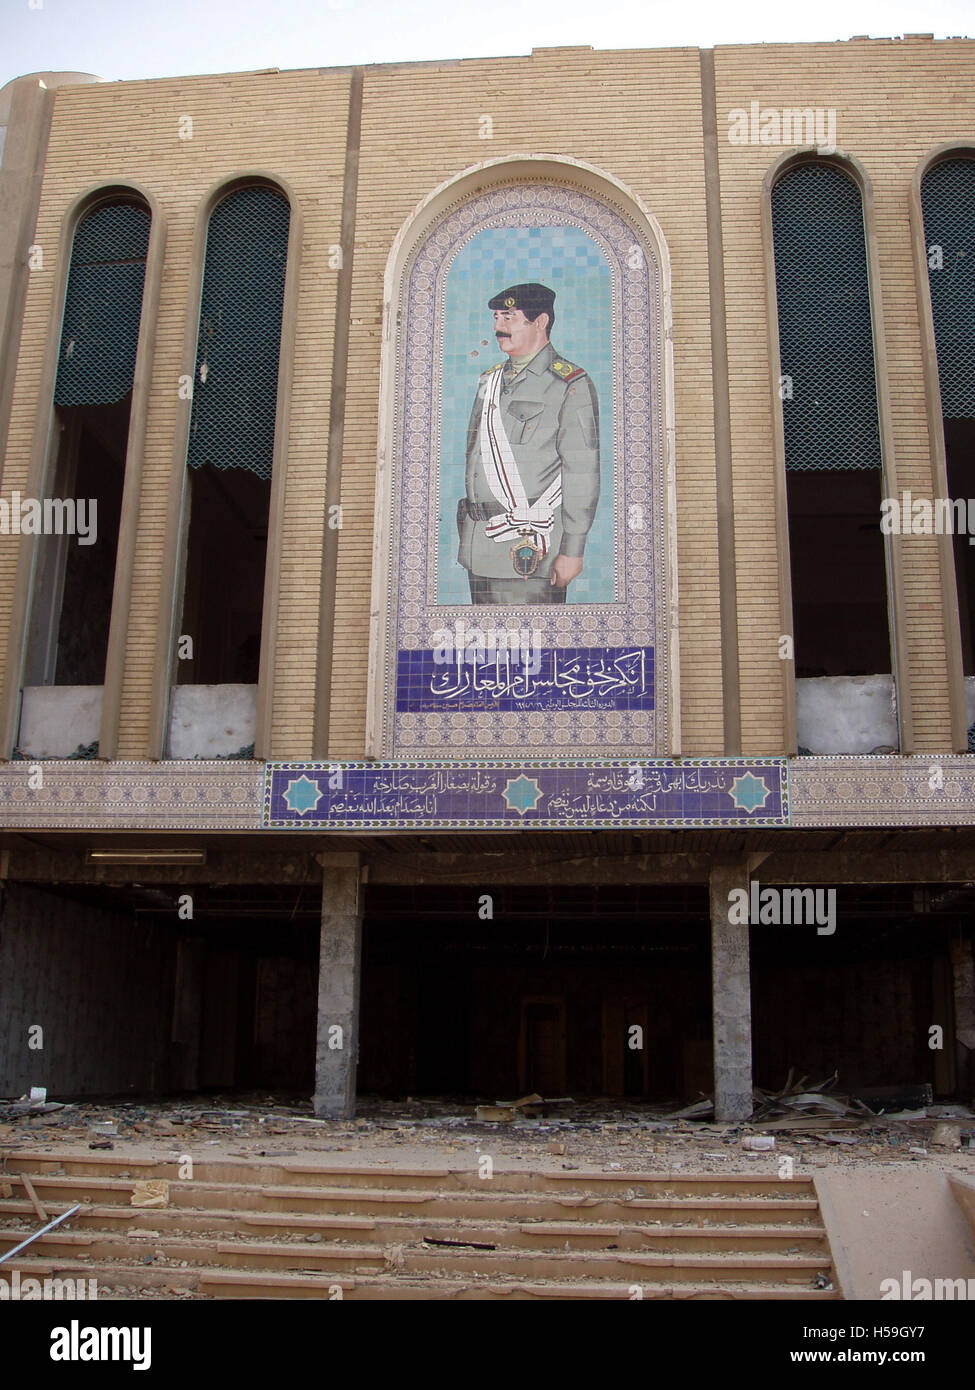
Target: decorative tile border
[(891, 790), (808, 792), (131, 796), (527, 793)]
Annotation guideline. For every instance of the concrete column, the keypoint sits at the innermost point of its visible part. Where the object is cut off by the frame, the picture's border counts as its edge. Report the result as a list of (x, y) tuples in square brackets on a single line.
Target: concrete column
[(731, 998), (338, 994)]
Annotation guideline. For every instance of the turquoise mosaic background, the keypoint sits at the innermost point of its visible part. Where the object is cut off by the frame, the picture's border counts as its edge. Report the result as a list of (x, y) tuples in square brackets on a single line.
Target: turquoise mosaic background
[(572, 264)]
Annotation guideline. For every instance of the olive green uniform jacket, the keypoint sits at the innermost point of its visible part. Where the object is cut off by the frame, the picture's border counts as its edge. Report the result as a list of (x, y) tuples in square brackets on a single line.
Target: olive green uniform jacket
[(550, 413)]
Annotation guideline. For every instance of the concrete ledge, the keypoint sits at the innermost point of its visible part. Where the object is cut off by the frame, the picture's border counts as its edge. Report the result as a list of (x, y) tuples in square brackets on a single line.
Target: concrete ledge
[(210, 721), (847, 714), (903, 1222), (962, 1188), (57, 720)]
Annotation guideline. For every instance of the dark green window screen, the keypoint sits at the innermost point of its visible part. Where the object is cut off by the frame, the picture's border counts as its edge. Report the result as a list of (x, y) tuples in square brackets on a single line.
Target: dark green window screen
[(829, 403), (103, 306), (948, 200), (236, 383)]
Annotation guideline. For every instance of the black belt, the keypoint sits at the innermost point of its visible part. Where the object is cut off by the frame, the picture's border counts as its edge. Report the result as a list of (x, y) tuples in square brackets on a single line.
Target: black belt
[(479, 511)]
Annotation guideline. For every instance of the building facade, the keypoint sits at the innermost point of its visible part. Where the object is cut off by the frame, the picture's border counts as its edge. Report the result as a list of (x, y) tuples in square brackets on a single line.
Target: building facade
[(485, 576)]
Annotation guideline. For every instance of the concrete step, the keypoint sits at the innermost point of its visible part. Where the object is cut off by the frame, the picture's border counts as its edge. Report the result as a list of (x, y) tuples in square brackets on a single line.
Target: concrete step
[(693, 1235), (128, 1280), (243, 1230), (475, 1204), (760, 1267), (233, 1285), (257, 1173)]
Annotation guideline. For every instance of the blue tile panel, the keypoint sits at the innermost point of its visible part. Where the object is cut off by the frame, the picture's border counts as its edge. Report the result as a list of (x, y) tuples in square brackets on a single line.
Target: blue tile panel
[(595, 678), (568, 261), (500, 794)]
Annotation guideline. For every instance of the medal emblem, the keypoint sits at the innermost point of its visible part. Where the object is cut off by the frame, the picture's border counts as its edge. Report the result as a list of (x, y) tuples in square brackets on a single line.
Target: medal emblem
[(526, 555)]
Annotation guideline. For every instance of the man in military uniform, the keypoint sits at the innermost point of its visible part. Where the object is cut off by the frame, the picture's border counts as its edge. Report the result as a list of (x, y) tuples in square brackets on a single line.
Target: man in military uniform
[(532, 461)]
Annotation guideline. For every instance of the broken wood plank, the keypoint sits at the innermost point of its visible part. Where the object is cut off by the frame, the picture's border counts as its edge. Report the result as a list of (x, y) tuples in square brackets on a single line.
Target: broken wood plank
[(533, 1099), (830, 1103), (495, 1114), (801, 1122), (34, 1199)]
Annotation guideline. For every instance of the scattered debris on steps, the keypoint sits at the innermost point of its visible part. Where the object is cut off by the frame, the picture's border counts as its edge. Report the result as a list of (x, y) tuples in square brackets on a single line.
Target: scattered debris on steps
[(242, 1228)]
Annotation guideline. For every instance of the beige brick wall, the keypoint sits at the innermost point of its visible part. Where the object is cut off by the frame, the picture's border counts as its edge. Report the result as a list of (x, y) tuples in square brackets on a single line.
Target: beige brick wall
[(292, 126), (636, 115), (894, 101)]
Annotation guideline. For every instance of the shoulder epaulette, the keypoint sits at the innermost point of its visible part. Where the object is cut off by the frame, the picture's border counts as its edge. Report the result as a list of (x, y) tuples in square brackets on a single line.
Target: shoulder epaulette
[(565, 371), (498, 366)]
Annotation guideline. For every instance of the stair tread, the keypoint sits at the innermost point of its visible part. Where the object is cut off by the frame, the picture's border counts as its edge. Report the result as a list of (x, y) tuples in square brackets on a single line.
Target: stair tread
[(457, 1225), (434, 1284)]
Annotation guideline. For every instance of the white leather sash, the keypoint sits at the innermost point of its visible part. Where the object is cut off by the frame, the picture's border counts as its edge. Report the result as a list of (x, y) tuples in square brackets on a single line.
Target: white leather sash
[(516, 517)]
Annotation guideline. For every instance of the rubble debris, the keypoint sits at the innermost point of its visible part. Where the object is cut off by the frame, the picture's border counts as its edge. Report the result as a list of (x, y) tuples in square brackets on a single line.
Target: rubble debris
[(561, 1131), (815, 1122), (699, 1109), (523, 1103), (529, 1107), (799, 1099), (495, 1114), (946, 1136), (34, 1103), (881, 1099), (817, 1100), (458, 1244), (152, 1193)]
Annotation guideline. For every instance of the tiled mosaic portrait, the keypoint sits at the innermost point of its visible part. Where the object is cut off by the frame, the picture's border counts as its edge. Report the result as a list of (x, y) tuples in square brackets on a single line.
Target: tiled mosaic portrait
[(526, 603)]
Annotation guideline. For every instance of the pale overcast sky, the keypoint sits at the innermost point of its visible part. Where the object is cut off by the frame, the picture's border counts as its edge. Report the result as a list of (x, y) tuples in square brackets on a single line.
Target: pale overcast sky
[(165, 38)]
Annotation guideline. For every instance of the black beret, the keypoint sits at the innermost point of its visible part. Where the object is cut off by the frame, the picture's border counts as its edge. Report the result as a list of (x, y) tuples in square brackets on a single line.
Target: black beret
[(531, 299)]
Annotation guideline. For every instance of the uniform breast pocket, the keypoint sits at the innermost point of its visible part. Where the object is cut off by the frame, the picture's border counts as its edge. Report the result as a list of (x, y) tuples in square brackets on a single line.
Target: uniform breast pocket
[(526, 417)]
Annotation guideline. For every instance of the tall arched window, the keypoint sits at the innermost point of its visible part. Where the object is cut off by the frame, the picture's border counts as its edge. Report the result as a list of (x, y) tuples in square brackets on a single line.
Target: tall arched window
[(72, 602), (231, 439), (833, 460), (948, 203)]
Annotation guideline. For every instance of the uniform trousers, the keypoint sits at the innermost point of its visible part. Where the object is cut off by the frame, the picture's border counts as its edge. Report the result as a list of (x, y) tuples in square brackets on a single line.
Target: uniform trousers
[(514, 593)]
